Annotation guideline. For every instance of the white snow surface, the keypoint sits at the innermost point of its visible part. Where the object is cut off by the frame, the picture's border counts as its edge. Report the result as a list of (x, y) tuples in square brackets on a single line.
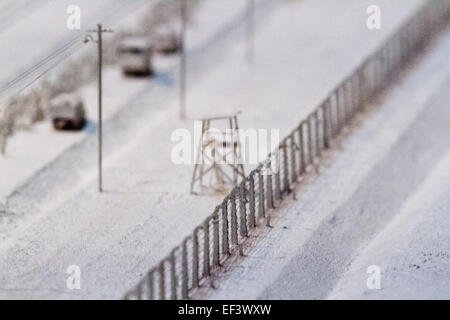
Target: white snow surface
[(55, 217)]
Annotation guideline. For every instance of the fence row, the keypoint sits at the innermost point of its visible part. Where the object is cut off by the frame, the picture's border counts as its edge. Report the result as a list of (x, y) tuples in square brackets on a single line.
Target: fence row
[(250, 203)]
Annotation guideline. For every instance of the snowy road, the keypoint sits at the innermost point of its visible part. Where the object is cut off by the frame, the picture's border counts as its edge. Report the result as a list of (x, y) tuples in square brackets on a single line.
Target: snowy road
[(57, 218), (383, 200)]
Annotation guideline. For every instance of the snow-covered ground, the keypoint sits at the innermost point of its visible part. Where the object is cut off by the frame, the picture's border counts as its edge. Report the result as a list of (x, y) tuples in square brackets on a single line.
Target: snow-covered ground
[(382, 200), (56, 218)]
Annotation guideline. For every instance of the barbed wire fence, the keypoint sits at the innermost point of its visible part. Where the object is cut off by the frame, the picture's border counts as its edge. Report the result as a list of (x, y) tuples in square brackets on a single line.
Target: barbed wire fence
[(250, 204)]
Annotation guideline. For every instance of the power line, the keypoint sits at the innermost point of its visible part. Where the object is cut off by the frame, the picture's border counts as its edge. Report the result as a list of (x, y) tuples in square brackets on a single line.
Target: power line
[(61, 51)]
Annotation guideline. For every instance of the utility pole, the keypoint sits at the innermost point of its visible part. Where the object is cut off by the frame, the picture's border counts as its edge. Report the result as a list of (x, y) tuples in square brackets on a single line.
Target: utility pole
[(183, 18), (100, 119), (99, 41), (250, 32)]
